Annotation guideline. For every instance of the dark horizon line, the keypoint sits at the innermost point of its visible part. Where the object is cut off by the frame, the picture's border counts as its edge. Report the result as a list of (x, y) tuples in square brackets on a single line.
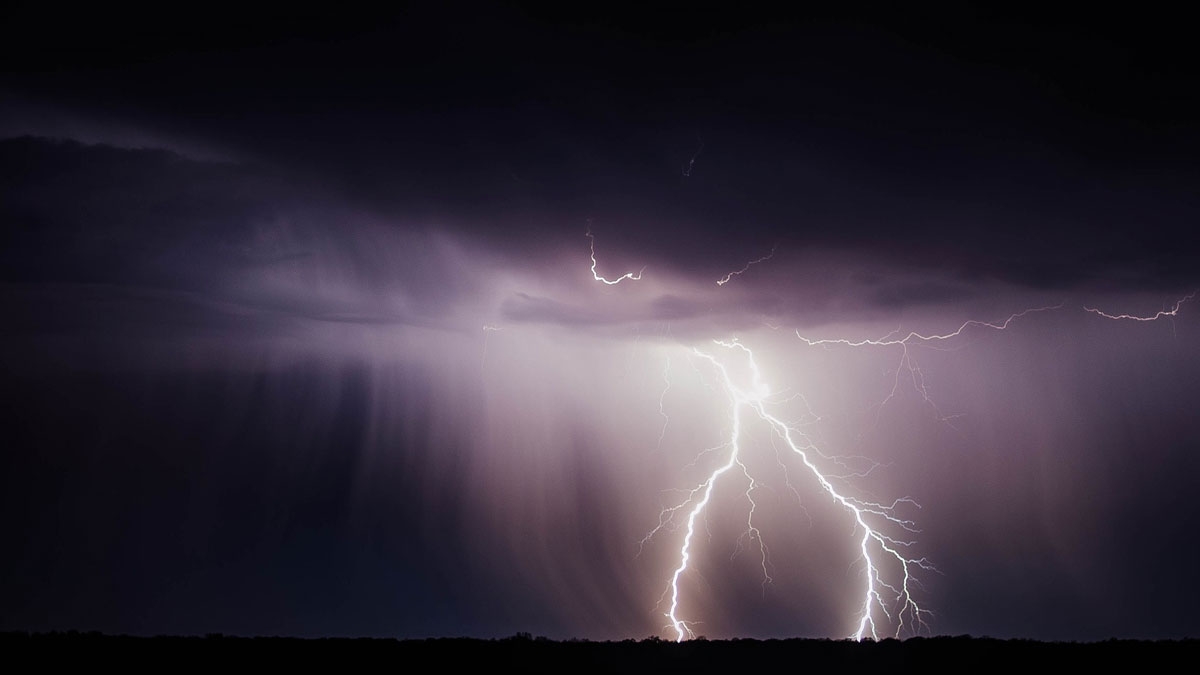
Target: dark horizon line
[(522, 636)]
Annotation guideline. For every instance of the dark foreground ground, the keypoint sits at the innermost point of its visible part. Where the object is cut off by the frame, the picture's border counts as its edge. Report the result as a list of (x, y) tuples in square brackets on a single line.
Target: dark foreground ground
[(522, 653)]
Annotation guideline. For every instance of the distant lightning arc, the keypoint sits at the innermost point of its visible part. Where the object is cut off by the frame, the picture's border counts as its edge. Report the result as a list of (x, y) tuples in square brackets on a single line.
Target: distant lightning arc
[(611, 282), (918, 337), (731, 275), (908, 362), (1174, 311)]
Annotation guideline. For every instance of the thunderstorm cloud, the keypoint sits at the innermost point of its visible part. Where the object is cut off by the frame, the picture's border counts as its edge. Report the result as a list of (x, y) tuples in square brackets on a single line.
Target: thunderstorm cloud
[(301, 337)]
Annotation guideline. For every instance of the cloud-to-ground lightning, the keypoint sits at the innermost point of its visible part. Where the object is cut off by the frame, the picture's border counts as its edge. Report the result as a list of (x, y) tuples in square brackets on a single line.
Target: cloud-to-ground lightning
[(881, 528), (731, 275), (884, 541), (611, 282), (883, 537)]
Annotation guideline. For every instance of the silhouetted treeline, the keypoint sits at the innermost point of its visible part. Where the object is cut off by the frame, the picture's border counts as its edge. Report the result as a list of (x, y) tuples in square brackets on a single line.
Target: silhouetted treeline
[(526, 653)]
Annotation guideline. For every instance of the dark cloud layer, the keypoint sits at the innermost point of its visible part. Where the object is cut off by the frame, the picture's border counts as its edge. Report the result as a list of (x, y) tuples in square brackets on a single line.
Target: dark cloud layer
[(1042, 151)]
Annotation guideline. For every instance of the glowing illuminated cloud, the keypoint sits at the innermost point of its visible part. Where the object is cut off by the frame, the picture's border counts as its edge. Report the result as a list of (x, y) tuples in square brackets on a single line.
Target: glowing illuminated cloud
[(883, 538)]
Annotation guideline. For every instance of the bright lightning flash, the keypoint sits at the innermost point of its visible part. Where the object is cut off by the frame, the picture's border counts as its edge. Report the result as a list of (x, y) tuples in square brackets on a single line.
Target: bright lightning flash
[(883, 535), (611, 282), (887, 595)]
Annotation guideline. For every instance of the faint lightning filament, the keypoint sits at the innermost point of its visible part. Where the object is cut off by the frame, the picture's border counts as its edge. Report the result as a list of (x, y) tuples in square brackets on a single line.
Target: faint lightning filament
[(1174, 311), (687, 170), (661, 403), (731, 275)]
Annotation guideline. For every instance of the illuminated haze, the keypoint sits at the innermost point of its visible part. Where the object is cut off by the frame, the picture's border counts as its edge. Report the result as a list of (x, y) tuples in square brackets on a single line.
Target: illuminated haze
[(303, 339)]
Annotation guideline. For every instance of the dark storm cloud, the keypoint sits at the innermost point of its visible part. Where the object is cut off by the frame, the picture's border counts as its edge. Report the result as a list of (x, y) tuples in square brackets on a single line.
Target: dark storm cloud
[(1056, 165), (228, 237), (239, 237), (232, 238), (921, 293), (101, 214)]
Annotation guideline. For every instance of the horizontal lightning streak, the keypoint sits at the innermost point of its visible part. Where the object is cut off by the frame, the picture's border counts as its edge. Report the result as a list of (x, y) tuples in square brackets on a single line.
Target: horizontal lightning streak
[(1174, 311), (918, 337), (909, 363)]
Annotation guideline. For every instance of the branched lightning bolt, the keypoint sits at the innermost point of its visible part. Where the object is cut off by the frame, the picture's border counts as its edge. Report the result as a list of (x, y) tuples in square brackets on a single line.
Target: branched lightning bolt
[(877, 546), (611, 282), (731, 275), (890, 574)]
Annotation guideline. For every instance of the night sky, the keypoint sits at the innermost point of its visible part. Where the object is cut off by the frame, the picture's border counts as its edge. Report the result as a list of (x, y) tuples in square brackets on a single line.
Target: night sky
[(301, 334)]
